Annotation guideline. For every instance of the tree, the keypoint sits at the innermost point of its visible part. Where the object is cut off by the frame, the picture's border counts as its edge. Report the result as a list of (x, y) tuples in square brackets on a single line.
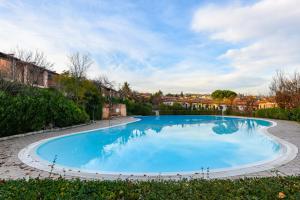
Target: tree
[(126, 90), (223, 94), (92, 103), (103, 81), (36, 63), (156, 98), (36, 57), (79, 64), (84, 92), (286, 90), (250, 105)]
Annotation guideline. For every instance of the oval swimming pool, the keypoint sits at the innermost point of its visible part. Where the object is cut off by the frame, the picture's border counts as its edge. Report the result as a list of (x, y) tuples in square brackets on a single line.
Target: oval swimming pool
[(165, 144)]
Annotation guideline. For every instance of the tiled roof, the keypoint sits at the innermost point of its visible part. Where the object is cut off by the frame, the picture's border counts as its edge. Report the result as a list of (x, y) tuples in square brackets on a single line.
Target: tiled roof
[(11, 56)]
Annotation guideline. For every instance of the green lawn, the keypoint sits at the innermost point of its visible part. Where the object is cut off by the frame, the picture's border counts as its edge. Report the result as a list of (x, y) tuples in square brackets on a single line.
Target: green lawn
[(256, 188)]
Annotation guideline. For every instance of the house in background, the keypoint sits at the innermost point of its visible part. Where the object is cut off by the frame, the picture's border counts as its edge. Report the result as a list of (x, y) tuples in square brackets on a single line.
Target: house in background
[(114, 110), (267, 103), (14, 69), (108, 92), (239, 103)]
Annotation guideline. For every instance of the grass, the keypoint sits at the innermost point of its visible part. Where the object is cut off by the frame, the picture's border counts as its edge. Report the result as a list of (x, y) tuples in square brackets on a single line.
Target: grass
[(249, 188)]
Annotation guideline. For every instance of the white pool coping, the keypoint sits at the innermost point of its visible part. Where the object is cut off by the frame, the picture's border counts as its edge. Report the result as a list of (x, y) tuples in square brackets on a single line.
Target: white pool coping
[(288, 152)]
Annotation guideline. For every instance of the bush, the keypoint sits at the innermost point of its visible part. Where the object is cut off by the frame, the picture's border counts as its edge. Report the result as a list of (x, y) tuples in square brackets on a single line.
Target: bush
[(236, 112), (136, 108), (251, 188), (273, 113), (35, 109), (177, 109), (294, 114), (93, 105)]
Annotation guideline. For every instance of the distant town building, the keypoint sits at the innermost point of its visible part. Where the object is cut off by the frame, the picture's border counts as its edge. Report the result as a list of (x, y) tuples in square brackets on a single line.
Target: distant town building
[(144, 95), (109, 92), (241, 103), (14, 69), (267, 103)]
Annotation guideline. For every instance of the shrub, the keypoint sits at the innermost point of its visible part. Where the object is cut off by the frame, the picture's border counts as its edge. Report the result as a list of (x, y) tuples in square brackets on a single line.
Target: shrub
[(279, 113), (250, 188), (142, 109), (137, 108), (177, 109), (273, 113), (34, 109), (93, 105), (294, 114), (236, 112)]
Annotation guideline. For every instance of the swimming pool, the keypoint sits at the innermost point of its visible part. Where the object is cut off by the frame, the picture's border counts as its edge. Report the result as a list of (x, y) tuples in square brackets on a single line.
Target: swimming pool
[(165, 144)]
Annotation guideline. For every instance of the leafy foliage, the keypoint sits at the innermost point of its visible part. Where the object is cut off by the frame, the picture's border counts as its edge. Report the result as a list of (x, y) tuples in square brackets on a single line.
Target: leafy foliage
[(251, 188), (279, 113), (34, 109), (223, 94), (82, 91), (93, 105), (126, 91), (294, 114), (177, 109), (138, 108), (156, 98)]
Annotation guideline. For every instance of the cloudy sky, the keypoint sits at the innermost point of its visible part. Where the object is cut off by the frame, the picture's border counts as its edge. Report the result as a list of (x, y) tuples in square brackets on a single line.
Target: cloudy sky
[(173, 45)]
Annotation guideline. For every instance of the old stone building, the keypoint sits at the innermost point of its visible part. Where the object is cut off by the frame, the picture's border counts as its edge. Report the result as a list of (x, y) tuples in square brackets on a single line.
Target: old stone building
[(14, 69)]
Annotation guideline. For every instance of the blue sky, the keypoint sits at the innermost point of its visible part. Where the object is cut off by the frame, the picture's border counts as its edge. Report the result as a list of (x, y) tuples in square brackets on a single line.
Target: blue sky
[(172, 45)]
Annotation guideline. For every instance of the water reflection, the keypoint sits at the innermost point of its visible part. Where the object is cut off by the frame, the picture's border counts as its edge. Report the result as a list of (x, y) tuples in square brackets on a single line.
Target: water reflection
[(226, 127), (165, 143)]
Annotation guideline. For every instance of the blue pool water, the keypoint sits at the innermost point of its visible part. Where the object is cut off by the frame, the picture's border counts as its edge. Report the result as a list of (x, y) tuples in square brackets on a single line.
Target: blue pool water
[(165, 144)]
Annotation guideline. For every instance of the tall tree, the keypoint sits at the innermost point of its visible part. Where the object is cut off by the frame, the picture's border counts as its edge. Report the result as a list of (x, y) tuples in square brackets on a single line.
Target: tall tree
[(224, 95), (286, 89), (156, 98), (79, 64), (103, 81), (250, 105), (126, 90)]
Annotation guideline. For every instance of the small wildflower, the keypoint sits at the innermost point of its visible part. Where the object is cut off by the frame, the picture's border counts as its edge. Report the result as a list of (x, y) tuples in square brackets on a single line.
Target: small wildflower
[(281, 195)]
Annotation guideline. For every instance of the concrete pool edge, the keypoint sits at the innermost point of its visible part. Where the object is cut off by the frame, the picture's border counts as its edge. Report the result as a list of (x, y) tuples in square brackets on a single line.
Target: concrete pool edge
[(289, 152)]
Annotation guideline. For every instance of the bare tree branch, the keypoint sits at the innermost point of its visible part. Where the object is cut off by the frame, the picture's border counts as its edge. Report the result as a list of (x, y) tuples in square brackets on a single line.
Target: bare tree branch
[(36, 57), (34, 62), (103, 81), (286, 89), (79, 64)]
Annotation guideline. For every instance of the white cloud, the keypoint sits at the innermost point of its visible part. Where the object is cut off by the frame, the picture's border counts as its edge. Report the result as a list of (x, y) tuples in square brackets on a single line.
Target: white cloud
[(63, 34), (266, 33), (265, 36)]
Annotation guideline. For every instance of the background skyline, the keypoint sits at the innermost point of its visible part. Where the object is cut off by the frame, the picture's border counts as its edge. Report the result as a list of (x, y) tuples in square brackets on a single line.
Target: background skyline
[(192, 46)]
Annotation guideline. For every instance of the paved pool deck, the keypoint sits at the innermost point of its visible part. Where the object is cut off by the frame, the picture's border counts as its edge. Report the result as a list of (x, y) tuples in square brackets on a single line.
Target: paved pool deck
[(11, 167)]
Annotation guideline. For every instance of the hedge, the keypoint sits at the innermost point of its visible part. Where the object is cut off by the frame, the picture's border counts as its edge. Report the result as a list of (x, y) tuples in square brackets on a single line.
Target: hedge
[(137, 108), (177, 109), (250, 188), (190, 112), (279, 113), (35, 109)]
